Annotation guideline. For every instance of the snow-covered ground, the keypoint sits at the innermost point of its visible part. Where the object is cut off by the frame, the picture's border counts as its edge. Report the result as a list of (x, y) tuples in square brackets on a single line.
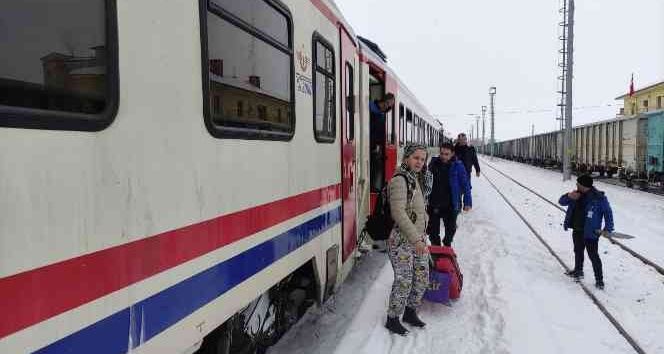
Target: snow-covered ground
[(634, 292), (635, 212), (515, 297)]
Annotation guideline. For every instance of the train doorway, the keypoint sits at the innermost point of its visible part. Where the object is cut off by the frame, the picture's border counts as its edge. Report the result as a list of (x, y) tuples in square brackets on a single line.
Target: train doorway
[(377, 131), (382, 130)]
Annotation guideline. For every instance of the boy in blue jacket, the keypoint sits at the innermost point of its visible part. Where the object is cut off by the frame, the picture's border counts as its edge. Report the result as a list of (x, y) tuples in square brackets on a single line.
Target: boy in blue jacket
[(450, 181), (586, 207)]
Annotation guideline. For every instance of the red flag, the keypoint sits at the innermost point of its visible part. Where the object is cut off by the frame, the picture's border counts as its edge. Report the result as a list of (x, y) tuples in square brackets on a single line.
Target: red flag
[(631, 87)]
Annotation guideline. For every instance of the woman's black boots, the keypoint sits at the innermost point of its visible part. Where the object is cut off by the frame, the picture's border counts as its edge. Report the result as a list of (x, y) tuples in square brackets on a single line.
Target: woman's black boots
[(410, 317), (394, 325)]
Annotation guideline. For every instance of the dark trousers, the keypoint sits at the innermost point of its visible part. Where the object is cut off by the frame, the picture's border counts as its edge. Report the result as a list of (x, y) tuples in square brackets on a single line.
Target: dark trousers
[(377, 169), (581, 244), (449, 217)]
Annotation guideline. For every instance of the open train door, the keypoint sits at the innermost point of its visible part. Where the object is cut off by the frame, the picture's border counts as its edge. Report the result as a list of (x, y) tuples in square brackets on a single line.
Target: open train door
[(348, 158), (383, 142), (391, 139)]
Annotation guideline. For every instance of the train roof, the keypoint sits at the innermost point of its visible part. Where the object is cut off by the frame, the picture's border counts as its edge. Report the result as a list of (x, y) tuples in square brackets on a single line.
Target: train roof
[(371, 49)]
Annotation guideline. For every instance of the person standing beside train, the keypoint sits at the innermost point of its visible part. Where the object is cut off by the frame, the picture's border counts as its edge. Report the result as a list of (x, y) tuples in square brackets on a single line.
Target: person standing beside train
[(407, 248), (377, 129), (450, 188), (586, 207), (467, 155)]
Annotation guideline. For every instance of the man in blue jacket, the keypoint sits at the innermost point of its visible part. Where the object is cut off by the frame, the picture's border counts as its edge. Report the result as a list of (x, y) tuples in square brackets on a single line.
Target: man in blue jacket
[(586, 207), (450, 181)]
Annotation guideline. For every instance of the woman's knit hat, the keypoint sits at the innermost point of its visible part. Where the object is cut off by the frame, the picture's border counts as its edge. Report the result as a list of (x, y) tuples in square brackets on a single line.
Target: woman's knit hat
[(410, 149)]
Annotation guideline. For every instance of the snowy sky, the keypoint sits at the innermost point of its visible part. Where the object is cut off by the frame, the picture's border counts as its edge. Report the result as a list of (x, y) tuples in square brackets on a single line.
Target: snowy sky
[(450, 52)]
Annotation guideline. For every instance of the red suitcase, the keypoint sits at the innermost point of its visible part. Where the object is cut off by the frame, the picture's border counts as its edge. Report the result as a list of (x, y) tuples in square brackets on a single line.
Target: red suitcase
[(445, 261)]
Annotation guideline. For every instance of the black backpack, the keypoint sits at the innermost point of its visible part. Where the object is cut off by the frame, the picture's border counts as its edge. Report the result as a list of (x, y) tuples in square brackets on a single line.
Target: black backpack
[(380, 224)]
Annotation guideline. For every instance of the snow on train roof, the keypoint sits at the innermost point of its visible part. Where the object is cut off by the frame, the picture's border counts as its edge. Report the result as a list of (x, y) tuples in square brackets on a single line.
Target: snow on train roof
[(410, 97), (379, 59)]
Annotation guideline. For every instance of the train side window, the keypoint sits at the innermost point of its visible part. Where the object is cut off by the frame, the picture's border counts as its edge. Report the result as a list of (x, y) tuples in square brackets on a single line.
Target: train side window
[(402, 126), (409, 125), (59, 64), (424, 132), (391, 133), (248, 64), (350, 102), (324, 87), (423, 135)]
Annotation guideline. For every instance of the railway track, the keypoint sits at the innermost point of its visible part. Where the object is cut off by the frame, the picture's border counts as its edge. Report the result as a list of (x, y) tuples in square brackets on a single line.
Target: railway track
[(612, 319), (621, 245)]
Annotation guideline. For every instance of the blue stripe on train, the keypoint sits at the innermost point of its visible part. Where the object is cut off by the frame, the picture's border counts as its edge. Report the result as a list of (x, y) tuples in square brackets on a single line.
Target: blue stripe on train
[(149, 317)]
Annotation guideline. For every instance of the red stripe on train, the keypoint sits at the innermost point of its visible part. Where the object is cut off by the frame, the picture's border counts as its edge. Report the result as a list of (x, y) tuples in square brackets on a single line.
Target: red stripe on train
[(39, 294), (325, 10)]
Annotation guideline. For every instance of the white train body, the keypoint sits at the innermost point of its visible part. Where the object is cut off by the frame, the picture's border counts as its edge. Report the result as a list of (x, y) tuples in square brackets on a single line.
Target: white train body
[(149, 233)]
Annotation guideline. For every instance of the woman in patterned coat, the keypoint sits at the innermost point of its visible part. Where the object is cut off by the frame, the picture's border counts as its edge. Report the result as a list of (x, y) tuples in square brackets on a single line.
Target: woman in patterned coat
[(407, 248)]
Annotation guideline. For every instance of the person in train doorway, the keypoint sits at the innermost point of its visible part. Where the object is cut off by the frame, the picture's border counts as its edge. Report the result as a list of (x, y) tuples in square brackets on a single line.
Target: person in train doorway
[(467, 155), (377, 110), (407, 248), (450, 188), (586, 207)]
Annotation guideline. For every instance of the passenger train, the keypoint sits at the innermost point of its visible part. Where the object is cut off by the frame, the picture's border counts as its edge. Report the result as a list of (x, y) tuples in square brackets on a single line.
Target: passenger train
[(184, 176)]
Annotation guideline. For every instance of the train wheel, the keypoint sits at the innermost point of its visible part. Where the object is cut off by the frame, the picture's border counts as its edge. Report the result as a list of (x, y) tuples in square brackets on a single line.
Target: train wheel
[(261, 323)]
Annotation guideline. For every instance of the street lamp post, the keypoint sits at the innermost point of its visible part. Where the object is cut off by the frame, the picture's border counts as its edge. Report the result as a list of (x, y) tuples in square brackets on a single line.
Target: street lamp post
[(477, 128), (492, 94), (483, 123)]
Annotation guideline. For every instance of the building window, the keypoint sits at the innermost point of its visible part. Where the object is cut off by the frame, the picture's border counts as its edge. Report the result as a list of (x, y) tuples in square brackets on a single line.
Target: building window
[(58, 71), (240, 109), (249, 60), (324, 88), (262, 112), (645, 105), (659, 102)]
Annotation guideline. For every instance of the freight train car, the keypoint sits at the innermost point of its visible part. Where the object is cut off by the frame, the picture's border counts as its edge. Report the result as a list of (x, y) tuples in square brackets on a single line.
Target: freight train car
[(625, 145)]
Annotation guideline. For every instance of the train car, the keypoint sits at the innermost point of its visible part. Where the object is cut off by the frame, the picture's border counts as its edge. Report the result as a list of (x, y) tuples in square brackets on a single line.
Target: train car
[(183, 176), (606, 147), (655, 160)]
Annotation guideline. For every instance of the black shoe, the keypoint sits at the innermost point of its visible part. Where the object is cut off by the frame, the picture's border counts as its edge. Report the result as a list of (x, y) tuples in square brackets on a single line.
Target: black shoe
[(394, 326), (576, 274), (410, 317), (599, 284)]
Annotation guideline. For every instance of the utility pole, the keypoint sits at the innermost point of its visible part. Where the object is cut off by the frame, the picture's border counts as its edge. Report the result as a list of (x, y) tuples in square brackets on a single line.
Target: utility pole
[(567, 139), (483, 123), (492, 94), (477, 128)]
